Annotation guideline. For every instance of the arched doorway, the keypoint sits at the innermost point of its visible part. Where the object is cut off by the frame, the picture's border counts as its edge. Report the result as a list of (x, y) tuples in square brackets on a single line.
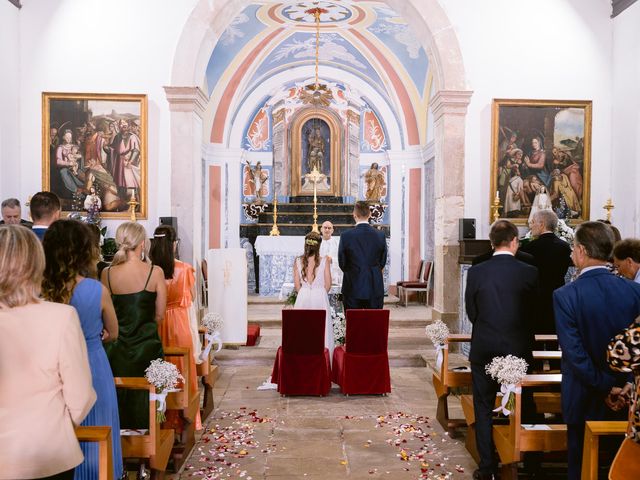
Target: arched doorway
[(432, 29)]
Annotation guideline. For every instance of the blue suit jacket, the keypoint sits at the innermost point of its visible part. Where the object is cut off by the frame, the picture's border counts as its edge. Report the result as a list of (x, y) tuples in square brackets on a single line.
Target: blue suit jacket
[(39, 231), (362, 255), (589, 312)]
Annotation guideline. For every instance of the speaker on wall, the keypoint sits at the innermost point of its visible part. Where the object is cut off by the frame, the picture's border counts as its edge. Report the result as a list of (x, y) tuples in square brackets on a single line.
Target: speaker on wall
[(466, 228), (172, 221)]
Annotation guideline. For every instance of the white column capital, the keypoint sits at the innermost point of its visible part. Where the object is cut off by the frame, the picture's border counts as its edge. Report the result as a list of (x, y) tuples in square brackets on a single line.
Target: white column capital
[(187, 99), (453, 102)]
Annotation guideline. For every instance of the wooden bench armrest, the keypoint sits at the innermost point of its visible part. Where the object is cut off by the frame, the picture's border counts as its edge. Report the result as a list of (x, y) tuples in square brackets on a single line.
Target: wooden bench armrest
[(458, 337), (101, 435), (540, 379), (592, 431), (176, 351), (606, 427), (543, 337), (134, 383), (180, 400), (547, 354)]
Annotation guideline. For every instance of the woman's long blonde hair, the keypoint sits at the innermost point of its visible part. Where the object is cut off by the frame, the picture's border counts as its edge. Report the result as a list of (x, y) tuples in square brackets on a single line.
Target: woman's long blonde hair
[(129, 236), (21, 266)]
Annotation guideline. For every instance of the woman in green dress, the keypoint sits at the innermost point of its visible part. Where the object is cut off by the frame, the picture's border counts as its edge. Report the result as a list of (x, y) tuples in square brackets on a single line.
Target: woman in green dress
[(139, 295)]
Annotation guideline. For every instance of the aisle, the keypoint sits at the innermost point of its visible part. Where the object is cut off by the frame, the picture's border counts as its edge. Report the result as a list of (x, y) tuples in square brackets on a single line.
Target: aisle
[(258, 434)]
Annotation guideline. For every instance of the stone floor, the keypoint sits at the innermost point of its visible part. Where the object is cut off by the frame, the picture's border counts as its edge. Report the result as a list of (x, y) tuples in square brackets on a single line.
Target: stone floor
[(259, 434), (255, 434)]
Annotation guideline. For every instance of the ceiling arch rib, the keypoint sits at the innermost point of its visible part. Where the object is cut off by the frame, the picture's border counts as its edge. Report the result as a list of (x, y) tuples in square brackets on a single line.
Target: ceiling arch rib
[(383, 108)]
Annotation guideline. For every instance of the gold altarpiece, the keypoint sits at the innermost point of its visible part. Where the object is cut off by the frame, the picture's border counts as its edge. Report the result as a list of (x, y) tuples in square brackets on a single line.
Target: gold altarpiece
[(329, 124)]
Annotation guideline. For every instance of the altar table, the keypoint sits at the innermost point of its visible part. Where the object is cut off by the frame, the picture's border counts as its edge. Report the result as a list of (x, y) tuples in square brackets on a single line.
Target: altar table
[(276, 257)]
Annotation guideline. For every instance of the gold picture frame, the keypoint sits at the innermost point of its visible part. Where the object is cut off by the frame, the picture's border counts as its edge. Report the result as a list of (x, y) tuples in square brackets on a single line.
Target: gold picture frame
[(541, 155), (94, 151), (298, 163)]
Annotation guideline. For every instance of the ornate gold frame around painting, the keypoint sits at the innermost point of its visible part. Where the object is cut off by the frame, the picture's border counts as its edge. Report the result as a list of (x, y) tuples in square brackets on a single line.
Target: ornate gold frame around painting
[(141, 211), (586, 105), (296, 149)]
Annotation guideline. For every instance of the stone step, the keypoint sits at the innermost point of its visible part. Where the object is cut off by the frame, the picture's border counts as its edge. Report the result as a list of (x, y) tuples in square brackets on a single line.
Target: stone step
[(320, 199), (252, 230), (308, 207), (265, 357)]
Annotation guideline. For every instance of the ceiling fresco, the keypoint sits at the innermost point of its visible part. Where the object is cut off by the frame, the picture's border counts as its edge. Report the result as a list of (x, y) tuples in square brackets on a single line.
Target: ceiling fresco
[(364, 38)]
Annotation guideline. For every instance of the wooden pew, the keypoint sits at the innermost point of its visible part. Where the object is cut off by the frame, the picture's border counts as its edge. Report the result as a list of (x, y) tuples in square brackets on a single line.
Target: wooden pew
[(545, 402), (187, 403), (446, 379), (209, 373), (101, 435), (513, 440), (157, 443), (592, 433)]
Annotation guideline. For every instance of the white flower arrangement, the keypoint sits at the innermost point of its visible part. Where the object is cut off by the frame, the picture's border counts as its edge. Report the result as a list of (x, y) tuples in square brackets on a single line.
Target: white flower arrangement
[(165, 377), (508, 372), (565, 232), (437, 333), (213, 322), (339, 327)]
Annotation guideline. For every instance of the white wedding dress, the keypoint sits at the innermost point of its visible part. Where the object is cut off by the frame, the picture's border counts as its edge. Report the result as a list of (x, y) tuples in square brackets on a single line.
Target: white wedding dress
[(314, 296)]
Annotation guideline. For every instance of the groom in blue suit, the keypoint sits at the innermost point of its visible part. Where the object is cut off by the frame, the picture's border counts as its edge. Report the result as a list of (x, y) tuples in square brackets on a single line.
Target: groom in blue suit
[(589, 312), (362, 256)]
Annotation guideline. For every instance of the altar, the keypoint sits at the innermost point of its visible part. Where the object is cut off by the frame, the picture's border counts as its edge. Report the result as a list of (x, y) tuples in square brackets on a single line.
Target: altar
[(276, 257)]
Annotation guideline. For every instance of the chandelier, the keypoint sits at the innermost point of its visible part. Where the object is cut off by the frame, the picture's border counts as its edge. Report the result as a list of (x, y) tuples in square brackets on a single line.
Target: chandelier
[(319, 94)]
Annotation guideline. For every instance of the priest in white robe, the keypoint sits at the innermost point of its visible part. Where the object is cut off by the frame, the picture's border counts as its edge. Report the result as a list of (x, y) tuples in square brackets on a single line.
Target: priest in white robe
[(329, 247)]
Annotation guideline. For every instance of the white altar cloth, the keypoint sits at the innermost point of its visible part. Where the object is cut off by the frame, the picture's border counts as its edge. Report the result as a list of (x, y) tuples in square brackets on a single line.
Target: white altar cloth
[(282, 245)]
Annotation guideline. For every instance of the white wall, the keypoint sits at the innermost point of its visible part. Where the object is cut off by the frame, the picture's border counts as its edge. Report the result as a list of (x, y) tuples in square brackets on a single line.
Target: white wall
[(533, 49), (117, 46), (626, 120), (10, 166)]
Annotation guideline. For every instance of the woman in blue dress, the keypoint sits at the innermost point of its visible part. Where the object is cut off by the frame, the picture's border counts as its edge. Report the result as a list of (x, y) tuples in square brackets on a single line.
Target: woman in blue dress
[(71, 257)]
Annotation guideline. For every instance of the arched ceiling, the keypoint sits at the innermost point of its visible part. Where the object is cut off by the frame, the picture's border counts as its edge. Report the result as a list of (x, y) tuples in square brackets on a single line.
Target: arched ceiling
[(362, 38)]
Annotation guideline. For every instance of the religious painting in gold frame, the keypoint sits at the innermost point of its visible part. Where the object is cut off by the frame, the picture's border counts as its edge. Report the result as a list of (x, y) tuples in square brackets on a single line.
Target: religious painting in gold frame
[(316, 140), (94, 151), (541, 157)]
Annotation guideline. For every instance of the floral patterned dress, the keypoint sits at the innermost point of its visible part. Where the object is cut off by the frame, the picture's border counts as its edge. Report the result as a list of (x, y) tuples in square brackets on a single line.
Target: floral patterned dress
[(624, 355)]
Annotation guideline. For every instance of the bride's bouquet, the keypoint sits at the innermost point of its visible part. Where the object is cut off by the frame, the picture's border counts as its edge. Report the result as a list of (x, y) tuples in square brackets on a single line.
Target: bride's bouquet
[(508, 372), (437, 333), (165, 377), (213, 323)]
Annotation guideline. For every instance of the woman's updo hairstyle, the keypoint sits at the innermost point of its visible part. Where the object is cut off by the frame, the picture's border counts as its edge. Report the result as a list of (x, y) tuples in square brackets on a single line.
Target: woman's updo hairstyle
[(129, 236)]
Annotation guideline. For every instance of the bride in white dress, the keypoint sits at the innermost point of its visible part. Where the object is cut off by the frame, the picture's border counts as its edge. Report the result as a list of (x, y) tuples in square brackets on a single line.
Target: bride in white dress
[(312, 279)]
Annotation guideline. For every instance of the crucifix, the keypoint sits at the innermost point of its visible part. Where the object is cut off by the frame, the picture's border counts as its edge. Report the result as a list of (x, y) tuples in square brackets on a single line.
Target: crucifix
[(315, 177)]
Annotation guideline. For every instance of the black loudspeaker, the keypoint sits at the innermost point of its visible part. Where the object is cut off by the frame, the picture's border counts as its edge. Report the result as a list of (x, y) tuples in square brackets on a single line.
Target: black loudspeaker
[(172, 221), (467, 228)]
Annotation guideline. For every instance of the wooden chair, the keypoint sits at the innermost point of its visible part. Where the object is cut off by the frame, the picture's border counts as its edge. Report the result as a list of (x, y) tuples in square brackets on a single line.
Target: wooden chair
[(421, 285), (209, 373), (592, 433), (186, 402), (157, 443), (101, 435), (513, 440)]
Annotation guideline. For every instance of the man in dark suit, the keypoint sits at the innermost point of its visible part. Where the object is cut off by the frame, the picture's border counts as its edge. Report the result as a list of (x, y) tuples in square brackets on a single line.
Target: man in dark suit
[(589, 312), (362, 256), (500, 300), (553, 258), (520, 255), (11, 213), (45, 209)]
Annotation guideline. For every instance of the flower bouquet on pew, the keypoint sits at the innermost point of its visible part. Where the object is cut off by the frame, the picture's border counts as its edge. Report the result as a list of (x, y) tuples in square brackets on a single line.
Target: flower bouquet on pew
[(339, 327), (213, 323), (508, 372), (437, 333), (165, 377)]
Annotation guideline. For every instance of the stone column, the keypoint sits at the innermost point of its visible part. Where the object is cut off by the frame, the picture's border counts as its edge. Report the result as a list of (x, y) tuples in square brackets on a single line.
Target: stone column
[(449, 110), (187, 105)]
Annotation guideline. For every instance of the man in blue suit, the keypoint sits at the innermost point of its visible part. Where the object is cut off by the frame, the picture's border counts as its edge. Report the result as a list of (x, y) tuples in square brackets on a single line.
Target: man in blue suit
[(45, 209), (589, 312), (362, 256)]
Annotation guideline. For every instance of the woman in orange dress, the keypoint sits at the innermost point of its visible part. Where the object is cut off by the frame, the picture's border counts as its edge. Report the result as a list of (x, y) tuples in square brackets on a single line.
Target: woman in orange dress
[(174, 330)]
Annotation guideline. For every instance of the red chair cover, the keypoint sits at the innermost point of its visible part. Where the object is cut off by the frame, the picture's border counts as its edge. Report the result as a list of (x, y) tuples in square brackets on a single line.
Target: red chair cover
[(362, 365), (302, 364)]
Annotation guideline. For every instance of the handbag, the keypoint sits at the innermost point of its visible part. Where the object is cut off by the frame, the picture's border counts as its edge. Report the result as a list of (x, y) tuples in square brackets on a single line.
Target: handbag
[(626, 465)]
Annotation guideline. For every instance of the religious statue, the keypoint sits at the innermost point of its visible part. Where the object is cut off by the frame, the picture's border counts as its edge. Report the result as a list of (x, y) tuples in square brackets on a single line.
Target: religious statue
[(315, 152), (258, 177), (376, 183)]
